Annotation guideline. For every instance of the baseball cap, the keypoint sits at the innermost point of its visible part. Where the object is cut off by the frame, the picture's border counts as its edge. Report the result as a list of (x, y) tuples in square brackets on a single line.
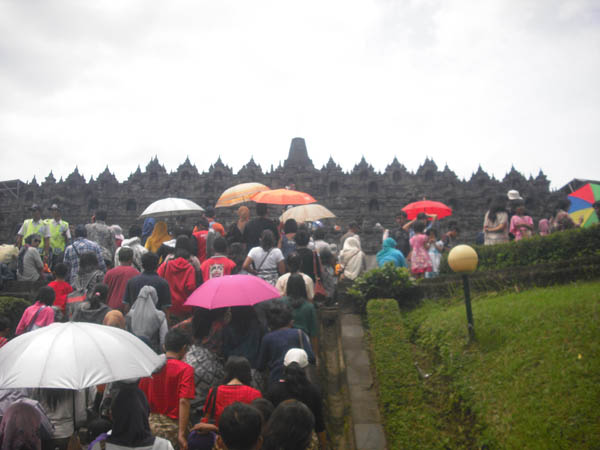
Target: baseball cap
[(296, 355)]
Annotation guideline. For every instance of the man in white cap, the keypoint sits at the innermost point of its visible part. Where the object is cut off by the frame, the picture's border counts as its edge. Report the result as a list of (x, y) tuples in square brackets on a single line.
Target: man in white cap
[(60, 236)]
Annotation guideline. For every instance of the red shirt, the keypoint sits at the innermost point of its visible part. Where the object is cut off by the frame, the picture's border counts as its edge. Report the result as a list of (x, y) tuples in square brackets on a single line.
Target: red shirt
[(217, 266), (164, 389), (201, 240), (117, 279), (61, 290), (228, 394)]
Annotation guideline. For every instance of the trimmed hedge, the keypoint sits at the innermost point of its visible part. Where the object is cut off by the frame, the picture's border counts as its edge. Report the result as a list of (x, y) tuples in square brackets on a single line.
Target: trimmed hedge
[(13, 308)]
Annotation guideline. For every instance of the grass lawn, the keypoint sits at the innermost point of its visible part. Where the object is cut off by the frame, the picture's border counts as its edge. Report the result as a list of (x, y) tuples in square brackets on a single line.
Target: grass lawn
[(531, 379)]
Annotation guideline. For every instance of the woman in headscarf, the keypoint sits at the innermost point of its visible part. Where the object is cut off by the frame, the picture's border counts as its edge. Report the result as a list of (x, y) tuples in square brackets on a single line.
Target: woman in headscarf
[(159, 235), (131, 429), (236, 230), (21, 427), (352, 259), (147, 229), (389, 253), (143, 319)]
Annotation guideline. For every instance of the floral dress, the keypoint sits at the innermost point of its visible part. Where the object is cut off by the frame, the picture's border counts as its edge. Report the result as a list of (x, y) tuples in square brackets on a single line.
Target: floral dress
[(419, 260)]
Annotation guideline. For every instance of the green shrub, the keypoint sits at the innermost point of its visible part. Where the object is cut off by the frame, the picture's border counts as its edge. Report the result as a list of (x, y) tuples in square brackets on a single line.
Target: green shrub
[(13, 307), (384, 282), (563, 246)]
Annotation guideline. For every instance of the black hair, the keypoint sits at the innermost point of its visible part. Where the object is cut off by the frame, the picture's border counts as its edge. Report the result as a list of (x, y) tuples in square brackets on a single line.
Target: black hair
[(125, 254), (267, 239), (46, 295), (209, 211), (296, 290), (326, 255), (88, 261), (52, 396), (401, 214), (418, 226), (353, 225), (80, 231), (421, 216), (293, 262), (101, 215), (319, 234), (240, 426), (61, 270), (296, 380), (290, 226), (236, 252), (35, 236), (101, 289), (242, 319), (175, 340), (182, 253), (279, 315), (135, 231), (290, 427), (264, 407), (453, 226), (302, 238), (261, 209), (200, 323), (238, 367), (497, 205), (432, 231), (220, 244), (4, 323), (203, 223), (149, 261), (183, 242)]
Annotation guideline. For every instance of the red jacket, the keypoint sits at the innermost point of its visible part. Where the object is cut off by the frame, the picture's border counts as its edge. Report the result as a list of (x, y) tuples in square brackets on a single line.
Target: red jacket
[(181, 276), (201, 240)]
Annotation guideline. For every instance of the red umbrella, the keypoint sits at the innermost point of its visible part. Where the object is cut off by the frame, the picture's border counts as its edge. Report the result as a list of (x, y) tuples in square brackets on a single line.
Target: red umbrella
[(428, 207), (232, 290), (283, 197)]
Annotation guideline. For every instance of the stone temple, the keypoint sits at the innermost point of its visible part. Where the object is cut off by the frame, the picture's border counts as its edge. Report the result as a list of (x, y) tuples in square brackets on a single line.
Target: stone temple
[(363, 194)]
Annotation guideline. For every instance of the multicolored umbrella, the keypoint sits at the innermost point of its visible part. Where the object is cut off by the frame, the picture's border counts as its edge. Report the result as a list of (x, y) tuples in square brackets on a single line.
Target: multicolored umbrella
[(232, 290), (427, 207), (239, 193), (283, 197), (581, 204)]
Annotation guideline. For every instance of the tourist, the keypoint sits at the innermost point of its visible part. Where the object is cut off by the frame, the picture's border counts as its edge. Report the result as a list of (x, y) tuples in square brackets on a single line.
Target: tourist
[(353, 230), (21, 427), (319, 237), (436, 247), (401, 234), (208, 368), (266, 261), (169, 392), (94, 308), (218, 264), (303, 312), (39, 314), (148, 277), (328, 277), (294, 384), (100, 233), (562, 220), (159, 236), (133, 242), (286, 243), (290, 427), (181, 276), (521, 226), (236, 230), (282, 337), (60, 235), (253, 231), (115, 318), (495, 223), (544, 227), (89, 273), (130, 426), (147, 229), (117, 278), (310, 263), (144, 320), (60, 286), (449, 238), (352, 259), (201, 236), (235, 388), (30, 266), (293, 262), (119, 237), (80, 246), (237, 254), (242, 337), (420, 263), (240, 427), (389, 253), (38, 226)]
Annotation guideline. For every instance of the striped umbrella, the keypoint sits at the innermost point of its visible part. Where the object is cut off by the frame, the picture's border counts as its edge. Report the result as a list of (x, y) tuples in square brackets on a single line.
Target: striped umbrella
[(239, 193)]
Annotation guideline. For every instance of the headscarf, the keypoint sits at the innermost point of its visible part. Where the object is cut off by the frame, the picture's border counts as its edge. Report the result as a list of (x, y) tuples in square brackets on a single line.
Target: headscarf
[(351, 258), (20, 427), (158, 236), (389, 252), (244, 216), (130, 412), (147, 228), (144, 318), (115, 319)]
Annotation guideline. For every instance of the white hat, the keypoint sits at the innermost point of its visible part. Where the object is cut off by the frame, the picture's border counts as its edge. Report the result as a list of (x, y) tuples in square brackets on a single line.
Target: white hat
[(296, 355), (514, 195)]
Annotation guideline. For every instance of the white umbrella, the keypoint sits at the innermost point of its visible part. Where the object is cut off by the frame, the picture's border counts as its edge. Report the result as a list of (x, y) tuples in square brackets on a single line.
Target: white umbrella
[(171, 206), (307, 213), (74, 355)]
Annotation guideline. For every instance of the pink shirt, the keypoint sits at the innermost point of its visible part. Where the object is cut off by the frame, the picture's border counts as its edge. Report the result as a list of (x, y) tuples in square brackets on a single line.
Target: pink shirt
[(520, 233), (45, 317)]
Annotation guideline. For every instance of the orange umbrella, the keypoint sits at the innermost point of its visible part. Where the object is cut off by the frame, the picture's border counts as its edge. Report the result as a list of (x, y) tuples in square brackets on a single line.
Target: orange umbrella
[(239, 193), (283, 197)]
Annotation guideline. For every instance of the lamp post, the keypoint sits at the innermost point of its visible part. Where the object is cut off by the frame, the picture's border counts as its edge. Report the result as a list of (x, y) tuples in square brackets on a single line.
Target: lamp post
[(463, 259)]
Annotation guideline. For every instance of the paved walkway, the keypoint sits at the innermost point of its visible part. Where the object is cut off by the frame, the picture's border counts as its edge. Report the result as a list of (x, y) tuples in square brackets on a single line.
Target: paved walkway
[(368, 431)]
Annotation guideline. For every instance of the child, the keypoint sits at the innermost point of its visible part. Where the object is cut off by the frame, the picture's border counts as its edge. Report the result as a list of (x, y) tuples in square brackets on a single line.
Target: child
[(4, 330), (435, 253), (60, 286), (420, 263)]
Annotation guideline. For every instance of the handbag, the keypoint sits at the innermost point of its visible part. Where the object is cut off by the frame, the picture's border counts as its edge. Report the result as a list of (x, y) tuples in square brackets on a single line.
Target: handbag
[(319, 288)]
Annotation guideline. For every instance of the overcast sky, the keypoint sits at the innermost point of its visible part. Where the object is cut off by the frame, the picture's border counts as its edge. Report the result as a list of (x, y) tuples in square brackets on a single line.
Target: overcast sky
[(465, 82)]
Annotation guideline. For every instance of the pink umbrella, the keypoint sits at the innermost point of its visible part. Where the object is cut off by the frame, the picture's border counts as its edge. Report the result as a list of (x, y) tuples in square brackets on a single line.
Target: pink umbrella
[(232, 290)]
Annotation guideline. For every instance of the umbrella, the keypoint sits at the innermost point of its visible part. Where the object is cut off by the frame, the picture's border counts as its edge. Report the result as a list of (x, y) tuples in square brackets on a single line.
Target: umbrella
[(428, 207), (168, 207), (307, 213), (581, 204), (232, 290), (239, 193), (283, 197), (74, 355)]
